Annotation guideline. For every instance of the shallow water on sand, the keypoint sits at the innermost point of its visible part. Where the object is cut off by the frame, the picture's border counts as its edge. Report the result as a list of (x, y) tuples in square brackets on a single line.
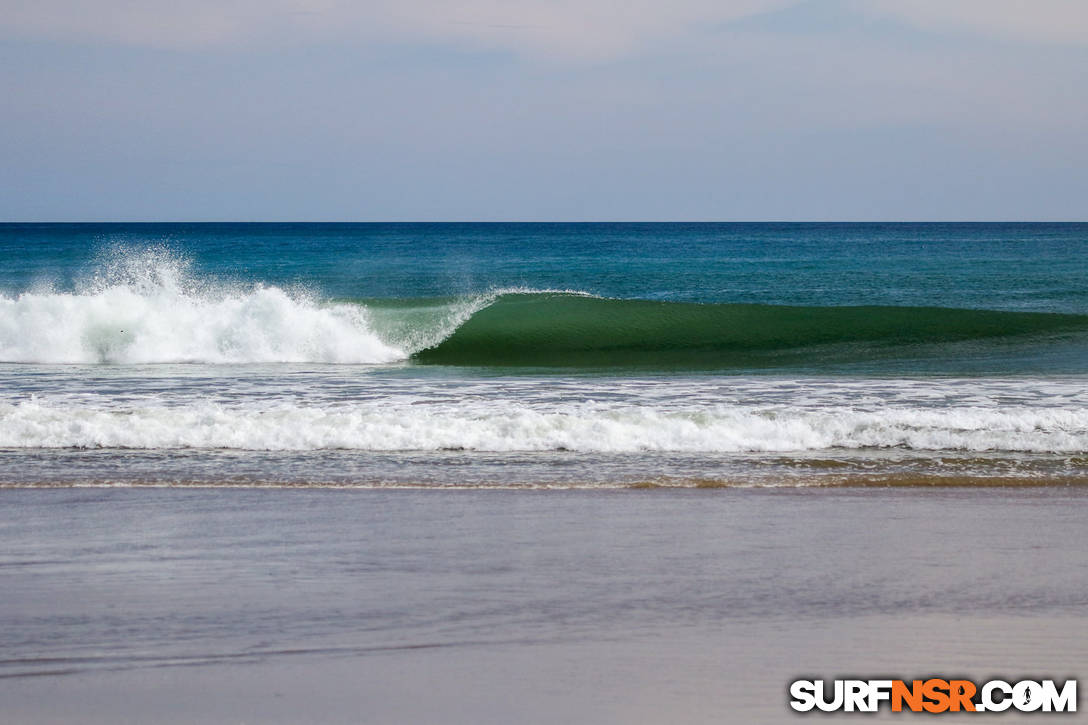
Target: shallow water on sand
[(355, 426)]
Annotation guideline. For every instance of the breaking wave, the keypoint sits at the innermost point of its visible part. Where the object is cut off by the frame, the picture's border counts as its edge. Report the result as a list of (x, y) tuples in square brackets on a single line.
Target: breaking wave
[(148, 307)]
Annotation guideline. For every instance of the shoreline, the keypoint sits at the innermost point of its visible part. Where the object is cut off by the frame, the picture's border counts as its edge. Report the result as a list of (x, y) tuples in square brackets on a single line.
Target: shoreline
[(859, 481)]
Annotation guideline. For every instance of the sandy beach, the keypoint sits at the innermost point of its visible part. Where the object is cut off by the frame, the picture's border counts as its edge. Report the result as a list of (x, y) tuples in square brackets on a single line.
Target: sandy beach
[(234, 605)]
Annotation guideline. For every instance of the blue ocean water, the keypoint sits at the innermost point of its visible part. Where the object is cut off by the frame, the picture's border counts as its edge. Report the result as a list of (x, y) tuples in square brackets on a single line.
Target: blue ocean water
[(1015, 266), (543, 354)]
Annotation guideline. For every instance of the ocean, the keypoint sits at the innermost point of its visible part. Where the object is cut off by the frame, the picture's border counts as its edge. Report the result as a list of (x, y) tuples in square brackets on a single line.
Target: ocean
[(538, 473), (542, 355)]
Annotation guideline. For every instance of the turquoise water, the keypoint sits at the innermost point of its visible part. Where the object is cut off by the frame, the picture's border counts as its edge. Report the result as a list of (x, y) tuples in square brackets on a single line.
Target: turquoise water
[(542, 354), (1029, 267)]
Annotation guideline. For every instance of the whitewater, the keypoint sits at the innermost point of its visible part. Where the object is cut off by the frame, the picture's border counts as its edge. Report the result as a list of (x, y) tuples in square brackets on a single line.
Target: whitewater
[(146, 307), (507, 425)]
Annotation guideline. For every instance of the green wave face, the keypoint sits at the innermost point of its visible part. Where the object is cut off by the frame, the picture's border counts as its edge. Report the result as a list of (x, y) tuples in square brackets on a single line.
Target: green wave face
[(555, 330)]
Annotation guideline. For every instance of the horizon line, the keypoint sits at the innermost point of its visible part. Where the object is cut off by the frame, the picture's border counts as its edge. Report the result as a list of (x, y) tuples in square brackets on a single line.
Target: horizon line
[(552, 221)]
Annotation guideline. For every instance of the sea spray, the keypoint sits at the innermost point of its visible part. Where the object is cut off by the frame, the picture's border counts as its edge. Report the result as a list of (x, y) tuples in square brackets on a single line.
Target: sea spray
[(147, 307)]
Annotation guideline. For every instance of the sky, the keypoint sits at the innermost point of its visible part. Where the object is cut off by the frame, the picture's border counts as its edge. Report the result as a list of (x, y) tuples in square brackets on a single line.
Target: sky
[(568, 110)]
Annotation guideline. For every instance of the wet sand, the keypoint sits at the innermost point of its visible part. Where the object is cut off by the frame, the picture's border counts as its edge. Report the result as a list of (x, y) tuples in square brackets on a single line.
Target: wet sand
[(621, 606)]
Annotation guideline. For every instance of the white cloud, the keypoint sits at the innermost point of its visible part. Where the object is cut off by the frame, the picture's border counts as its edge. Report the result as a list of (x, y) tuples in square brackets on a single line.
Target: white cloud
[(556, 29), (569, 28), (561, 30), (1046, 21)]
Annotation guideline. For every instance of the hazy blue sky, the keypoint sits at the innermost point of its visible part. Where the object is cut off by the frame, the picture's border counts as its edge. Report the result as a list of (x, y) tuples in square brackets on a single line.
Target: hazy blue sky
[(563, 110)]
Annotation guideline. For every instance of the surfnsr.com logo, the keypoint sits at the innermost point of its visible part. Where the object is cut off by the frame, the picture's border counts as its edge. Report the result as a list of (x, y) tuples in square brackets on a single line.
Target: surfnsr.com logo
[(933, 695)]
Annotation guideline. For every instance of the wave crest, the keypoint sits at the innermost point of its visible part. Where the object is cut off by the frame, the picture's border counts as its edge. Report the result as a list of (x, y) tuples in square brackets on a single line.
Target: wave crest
[(558, 330), (147, 308)]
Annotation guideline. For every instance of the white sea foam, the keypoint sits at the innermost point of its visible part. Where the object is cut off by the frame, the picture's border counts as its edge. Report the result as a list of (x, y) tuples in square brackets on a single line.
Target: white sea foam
[(512, 426), (145, 308)]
